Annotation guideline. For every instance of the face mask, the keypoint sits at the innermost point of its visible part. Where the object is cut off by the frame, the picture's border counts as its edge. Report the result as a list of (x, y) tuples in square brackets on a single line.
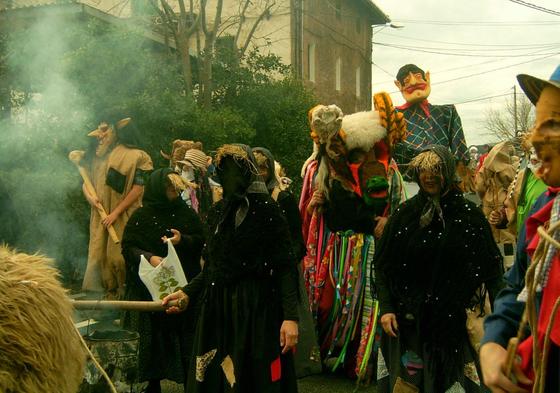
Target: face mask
[(534, 163), (188, 174)]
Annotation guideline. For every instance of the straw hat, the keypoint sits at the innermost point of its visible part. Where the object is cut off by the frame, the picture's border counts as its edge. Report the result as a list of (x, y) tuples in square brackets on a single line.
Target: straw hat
[(195, 158)]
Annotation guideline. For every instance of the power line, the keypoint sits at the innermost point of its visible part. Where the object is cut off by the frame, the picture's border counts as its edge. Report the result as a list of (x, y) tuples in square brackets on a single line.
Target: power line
[(417, 49), (495, 69), (487, 71), (482, 99), (478, 23), (382, 69), (536, 7), (466, 50), (539, 52), (528, 46)]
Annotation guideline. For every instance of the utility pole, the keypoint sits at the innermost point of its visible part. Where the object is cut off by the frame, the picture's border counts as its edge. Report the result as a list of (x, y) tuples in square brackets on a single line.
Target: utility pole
[(515, 109)]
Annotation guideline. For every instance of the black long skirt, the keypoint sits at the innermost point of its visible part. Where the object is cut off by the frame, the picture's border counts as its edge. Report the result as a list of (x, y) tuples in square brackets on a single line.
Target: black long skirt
[(407, 358), (237, 341)]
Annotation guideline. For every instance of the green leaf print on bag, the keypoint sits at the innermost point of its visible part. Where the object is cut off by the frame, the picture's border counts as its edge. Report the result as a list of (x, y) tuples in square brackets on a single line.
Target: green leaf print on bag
[(165, 278)]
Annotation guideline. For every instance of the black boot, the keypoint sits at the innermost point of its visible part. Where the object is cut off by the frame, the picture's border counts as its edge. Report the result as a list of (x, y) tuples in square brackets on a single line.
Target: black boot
[(153, 387)]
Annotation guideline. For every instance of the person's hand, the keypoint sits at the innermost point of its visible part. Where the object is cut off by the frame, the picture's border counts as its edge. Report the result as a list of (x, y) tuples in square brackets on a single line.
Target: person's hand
[(155, 260), (495, 217), (110, 219), (182, 301), (288, 335), (92, 200), (389, 323), (317, 199), (492, 363), (381, 222), (176, 239)]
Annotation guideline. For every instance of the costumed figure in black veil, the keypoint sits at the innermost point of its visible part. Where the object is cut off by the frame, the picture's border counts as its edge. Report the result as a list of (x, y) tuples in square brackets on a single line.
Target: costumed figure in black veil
[(436, 259), (307, 357), (248, 289), (165, 340)]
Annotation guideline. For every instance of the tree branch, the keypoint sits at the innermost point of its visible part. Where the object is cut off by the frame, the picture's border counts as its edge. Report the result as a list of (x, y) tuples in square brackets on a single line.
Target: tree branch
[(266, 12), (241, 21)]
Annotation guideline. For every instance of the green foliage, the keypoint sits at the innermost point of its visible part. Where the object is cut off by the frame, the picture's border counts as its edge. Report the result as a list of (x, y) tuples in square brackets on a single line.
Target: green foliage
[(82, 69), (278, 110)]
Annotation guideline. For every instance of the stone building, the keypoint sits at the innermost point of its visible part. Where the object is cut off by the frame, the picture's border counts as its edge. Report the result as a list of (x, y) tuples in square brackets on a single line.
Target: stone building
[(327, 42)]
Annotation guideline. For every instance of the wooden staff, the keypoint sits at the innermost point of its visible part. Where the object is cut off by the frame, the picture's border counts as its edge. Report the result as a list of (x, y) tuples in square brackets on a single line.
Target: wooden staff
[(128, 305), (76, 156), (511, 352)]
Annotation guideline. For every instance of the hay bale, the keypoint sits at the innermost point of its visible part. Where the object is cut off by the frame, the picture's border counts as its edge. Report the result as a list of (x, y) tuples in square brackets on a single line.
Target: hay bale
[(40, 351)]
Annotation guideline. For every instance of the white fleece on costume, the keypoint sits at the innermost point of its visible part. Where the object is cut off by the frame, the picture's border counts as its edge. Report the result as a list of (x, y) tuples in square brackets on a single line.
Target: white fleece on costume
[(363, 130)]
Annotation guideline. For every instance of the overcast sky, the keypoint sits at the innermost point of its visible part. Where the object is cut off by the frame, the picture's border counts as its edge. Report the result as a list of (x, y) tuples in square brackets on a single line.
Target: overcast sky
[(479, 29)]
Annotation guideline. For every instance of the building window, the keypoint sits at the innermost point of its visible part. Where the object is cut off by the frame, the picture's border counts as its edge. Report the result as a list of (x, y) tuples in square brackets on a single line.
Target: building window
[(338, 9), (311, 62), (358, 82), (338, 73)]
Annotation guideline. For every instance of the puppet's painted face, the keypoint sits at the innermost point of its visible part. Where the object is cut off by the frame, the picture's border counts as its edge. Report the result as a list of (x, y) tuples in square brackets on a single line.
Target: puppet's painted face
[(106, 137), (414, 87)]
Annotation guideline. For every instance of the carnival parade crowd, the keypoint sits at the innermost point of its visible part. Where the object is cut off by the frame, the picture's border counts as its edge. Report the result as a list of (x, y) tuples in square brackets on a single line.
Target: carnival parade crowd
[(408, 261)]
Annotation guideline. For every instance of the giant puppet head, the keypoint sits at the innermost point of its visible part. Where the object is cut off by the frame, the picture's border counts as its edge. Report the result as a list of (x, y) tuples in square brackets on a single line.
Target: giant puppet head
[(328, 147), (356, 149), (413, 83), (369, 137)]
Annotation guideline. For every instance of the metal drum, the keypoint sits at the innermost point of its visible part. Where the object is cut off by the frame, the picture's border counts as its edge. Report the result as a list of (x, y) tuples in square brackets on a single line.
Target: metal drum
[(117, 352)]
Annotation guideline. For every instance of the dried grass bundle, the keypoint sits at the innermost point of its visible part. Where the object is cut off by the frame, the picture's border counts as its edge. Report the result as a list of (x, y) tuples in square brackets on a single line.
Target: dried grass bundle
[(426, 161), (177, 181), (40, 349), (238, 154)]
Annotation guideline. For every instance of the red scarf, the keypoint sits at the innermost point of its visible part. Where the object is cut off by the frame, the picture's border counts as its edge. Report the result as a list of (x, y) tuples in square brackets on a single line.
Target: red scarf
[(424, 105), (550, 293)]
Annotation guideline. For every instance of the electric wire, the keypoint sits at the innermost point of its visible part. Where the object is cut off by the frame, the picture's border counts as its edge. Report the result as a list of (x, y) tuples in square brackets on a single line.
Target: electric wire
[(439, 52), (536, 7)]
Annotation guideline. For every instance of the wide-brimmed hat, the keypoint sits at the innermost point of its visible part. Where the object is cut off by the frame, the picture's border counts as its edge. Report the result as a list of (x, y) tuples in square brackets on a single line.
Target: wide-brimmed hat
[(533, 86), (195, 158)]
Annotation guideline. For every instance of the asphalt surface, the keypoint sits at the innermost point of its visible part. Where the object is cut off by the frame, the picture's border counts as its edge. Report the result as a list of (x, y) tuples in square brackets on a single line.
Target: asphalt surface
[(313, 384)]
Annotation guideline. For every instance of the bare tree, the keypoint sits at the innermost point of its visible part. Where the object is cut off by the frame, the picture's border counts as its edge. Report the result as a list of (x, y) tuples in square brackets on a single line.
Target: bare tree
[(195, 21), (501, 123), (180, 27)]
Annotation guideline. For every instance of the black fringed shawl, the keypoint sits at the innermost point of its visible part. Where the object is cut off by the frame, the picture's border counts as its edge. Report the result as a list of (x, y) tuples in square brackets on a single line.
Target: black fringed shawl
[(435, 272), (149, 223), (250, 240)]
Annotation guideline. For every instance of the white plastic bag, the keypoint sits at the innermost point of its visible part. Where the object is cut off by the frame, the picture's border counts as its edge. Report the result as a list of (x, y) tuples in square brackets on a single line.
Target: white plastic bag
[(165, 278)]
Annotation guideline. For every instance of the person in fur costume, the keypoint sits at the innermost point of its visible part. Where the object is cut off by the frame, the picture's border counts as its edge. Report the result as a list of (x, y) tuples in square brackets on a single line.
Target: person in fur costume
[(40, 350), (351, 185)]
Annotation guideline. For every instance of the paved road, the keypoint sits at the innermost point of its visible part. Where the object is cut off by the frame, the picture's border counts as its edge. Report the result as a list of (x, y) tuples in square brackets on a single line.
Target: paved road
[(313, 384)]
